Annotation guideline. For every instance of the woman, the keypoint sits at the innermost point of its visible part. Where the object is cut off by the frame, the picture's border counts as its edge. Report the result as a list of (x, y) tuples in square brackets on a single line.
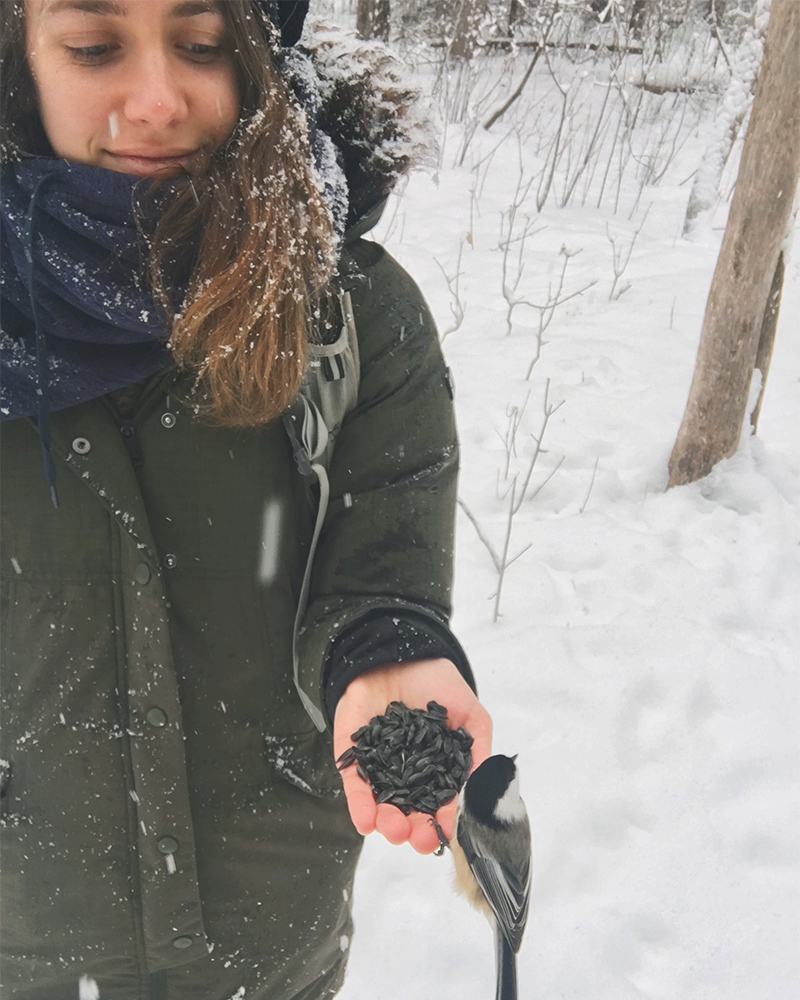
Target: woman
[(173, 246)]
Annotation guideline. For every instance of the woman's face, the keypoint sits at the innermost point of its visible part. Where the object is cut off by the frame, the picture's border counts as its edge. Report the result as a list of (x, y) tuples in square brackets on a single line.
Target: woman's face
[(140, 86)]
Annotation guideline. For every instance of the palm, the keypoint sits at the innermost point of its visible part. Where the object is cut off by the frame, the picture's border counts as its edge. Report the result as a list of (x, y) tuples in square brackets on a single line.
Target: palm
[(415, 684)]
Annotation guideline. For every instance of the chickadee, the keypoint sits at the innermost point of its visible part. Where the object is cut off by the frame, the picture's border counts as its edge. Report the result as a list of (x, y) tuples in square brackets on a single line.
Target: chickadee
[(492, 853)]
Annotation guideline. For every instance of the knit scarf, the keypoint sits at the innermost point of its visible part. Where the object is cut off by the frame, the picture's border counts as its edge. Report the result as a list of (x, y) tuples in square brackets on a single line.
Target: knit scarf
[(76, 317)]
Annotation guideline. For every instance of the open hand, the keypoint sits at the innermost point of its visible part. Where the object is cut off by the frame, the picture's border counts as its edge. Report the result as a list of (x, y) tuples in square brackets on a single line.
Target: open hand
[(415, 684)]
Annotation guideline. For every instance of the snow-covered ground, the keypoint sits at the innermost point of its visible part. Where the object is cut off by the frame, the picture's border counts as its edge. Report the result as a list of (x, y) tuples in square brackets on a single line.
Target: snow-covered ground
[(644, 661)]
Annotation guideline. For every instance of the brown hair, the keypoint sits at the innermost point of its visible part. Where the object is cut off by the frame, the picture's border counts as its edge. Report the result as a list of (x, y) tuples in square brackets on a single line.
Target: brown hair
[(253, 234)]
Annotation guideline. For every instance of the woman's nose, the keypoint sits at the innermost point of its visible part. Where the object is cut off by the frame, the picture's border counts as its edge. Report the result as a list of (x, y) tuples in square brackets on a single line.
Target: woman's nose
[(155, 96)]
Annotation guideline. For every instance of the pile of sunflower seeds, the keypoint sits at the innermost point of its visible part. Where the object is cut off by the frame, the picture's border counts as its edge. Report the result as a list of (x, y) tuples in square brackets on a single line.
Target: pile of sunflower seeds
[(410, 757)]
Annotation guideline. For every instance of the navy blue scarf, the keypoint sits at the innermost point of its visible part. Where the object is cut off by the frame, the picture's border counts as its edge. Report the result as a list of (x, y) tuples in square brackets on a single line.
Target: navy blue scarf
[(76, 317)]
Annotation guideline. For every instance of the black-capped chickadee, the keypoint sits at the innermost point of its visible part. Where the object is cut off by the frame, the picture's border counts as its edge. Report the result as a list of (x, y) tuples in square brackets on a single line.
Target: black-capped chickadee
[(492, 852)]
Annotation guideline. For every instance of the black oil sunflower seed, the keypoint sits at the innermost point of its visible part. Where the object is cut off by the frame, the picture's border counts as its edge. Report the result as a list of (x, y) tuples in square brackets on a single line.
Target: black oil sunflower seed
[(348, 757), (410, 758)]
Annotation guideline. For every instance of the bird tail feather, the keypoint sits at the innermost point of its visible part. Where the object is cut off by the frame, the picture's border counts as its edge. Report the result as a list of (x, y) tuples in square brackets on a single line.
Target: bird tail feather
[(506, 968)]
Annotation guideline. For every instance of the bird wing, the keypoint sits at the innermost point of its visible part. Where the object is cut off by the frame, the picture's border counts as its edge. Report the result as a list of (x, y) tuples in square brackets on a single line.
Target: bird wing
[(505, 886)]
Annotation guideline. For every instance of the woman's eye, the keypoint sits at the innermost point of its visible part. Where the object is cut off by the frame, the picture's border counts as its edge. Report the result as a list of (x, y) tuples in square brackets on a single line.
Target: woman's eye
[(90, 53), (203, 53)]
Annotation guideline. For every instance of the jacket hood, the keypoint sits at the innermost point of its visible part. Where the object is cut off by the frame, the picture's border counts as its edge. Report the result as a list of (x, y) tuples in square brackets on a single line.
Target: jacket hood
[(372, 113)]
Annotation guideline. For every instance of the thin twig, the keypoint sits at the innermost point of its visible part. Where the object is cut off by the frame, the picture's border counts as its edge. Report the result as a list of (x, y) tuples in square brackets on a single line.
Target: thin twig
[(539, 48), (507, 104), (489, 547), (548, 412), (547, 478), (456, 305), (591, 484), (504, 557)]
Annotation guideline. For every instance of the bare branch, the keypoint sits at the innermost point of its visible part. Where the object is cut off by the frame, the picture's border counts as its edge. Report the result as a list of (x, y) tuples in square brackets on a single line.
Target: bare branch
[(549, 410), (479, 531), (538, 49), (457, 307), (591, 484)]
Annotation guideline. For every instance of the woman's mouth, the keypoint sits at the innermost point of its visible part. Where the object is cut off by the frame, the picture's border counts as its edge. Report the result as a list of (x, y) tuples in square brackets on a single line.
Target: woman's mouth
[(146, 163)]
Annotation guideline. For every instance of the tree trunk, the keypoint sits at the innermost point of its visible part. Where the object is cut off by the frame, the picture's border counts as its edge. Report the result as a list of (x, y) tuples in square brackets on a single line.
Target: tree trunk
[(372, 19), (637, 17), (715, 11), (740, 289), (465, 33), (766, 340)]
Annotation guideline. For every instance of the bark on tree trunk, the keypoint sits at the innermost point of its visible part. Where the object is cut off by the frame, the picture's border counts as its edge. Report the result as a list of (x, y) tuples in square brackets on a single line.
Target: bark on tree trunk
[(372, 19), (465, 33), (738, 299), (637, 18), (766, 340)]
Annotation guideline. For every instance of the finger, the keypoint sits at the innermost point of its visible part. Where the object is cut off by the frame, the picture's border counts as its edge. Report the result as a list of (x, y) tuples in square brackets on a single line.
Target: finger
[(424, 838), (392, 824), (342, 727), (360, 802), (481, 751), (479, 726), (446, 818)]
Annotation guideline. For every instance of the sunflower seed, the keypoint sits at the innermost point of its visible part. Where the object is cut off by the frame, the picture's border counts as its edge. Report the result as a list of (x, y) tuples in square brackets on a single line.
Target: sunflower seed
[(347, 758), (410, 757)]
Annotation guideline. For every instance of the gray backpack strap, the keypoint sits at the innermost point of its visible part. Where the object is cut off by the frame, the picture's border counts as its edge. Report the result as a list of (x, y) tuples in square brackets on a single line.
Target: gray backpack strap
[(332, 378), (328, 393)]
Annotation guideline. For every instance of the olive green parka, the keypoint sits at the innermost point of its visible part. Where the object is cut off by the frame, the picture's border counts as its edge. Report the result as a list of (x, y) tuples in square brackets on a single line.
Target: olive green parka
[(173, 823)]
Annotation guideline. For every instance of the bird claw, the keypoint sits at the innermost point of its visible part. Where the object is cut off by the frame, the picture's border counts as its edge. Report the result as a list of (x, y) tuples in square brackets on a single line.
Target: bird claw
[(443, 841)]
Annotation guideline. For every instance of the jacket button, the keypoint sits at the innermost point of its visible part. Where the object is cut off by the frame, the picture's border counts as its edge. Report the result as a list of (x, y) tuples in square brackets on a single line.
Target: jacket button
[(157, 718), (170, 561), (142, 573), (182, 942), (168, 845), (168, 420), (81, 446)]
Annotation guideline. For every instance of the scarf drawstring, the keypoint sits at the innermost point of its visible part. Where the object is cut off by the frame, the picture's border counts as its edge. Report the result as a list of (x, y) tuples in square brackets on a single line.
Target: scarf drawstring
[(42, 374)]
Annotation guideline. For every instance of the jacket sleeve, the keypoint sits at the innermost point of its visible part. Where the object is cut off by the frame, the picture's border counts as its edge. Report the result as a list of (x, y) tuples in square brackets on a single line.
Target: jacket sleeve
[(385, 553), (380, 637)]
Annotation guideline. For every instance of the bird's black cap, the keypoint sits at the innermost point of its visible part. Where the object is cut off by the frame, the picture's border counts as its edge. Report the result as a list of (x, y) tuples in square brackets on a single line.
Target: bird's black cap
[(486, 786)]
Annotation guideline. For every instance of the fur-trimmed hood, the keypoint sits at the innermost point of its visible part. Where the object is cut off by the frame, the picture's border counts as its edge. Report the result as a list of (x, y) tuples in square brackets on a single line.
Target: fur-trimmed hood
[(372, 113)]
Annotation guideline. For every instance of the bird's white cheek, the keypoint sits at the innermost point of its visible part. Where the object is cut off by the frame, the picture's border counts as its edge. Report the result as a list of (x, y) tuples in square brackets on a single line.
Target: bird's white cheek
[(510, 809)]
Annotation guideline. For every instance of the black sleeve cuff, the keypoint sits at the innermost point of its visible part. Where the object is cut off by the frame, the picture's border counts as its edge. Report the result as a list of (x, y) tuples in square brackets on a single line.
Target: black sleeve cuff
[(383, 636)]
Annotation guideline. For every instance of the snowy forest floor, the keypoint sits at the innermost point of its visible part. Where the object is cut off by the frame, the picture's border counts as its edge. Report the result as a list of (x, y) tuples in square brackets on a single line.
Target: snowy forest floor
[(644, 661)]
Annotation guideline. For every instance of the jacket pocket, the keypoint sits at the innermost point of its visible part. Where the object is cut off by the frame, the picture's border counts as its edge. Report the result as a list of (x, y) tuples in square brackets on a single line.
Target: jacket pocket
[(305, 760)]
